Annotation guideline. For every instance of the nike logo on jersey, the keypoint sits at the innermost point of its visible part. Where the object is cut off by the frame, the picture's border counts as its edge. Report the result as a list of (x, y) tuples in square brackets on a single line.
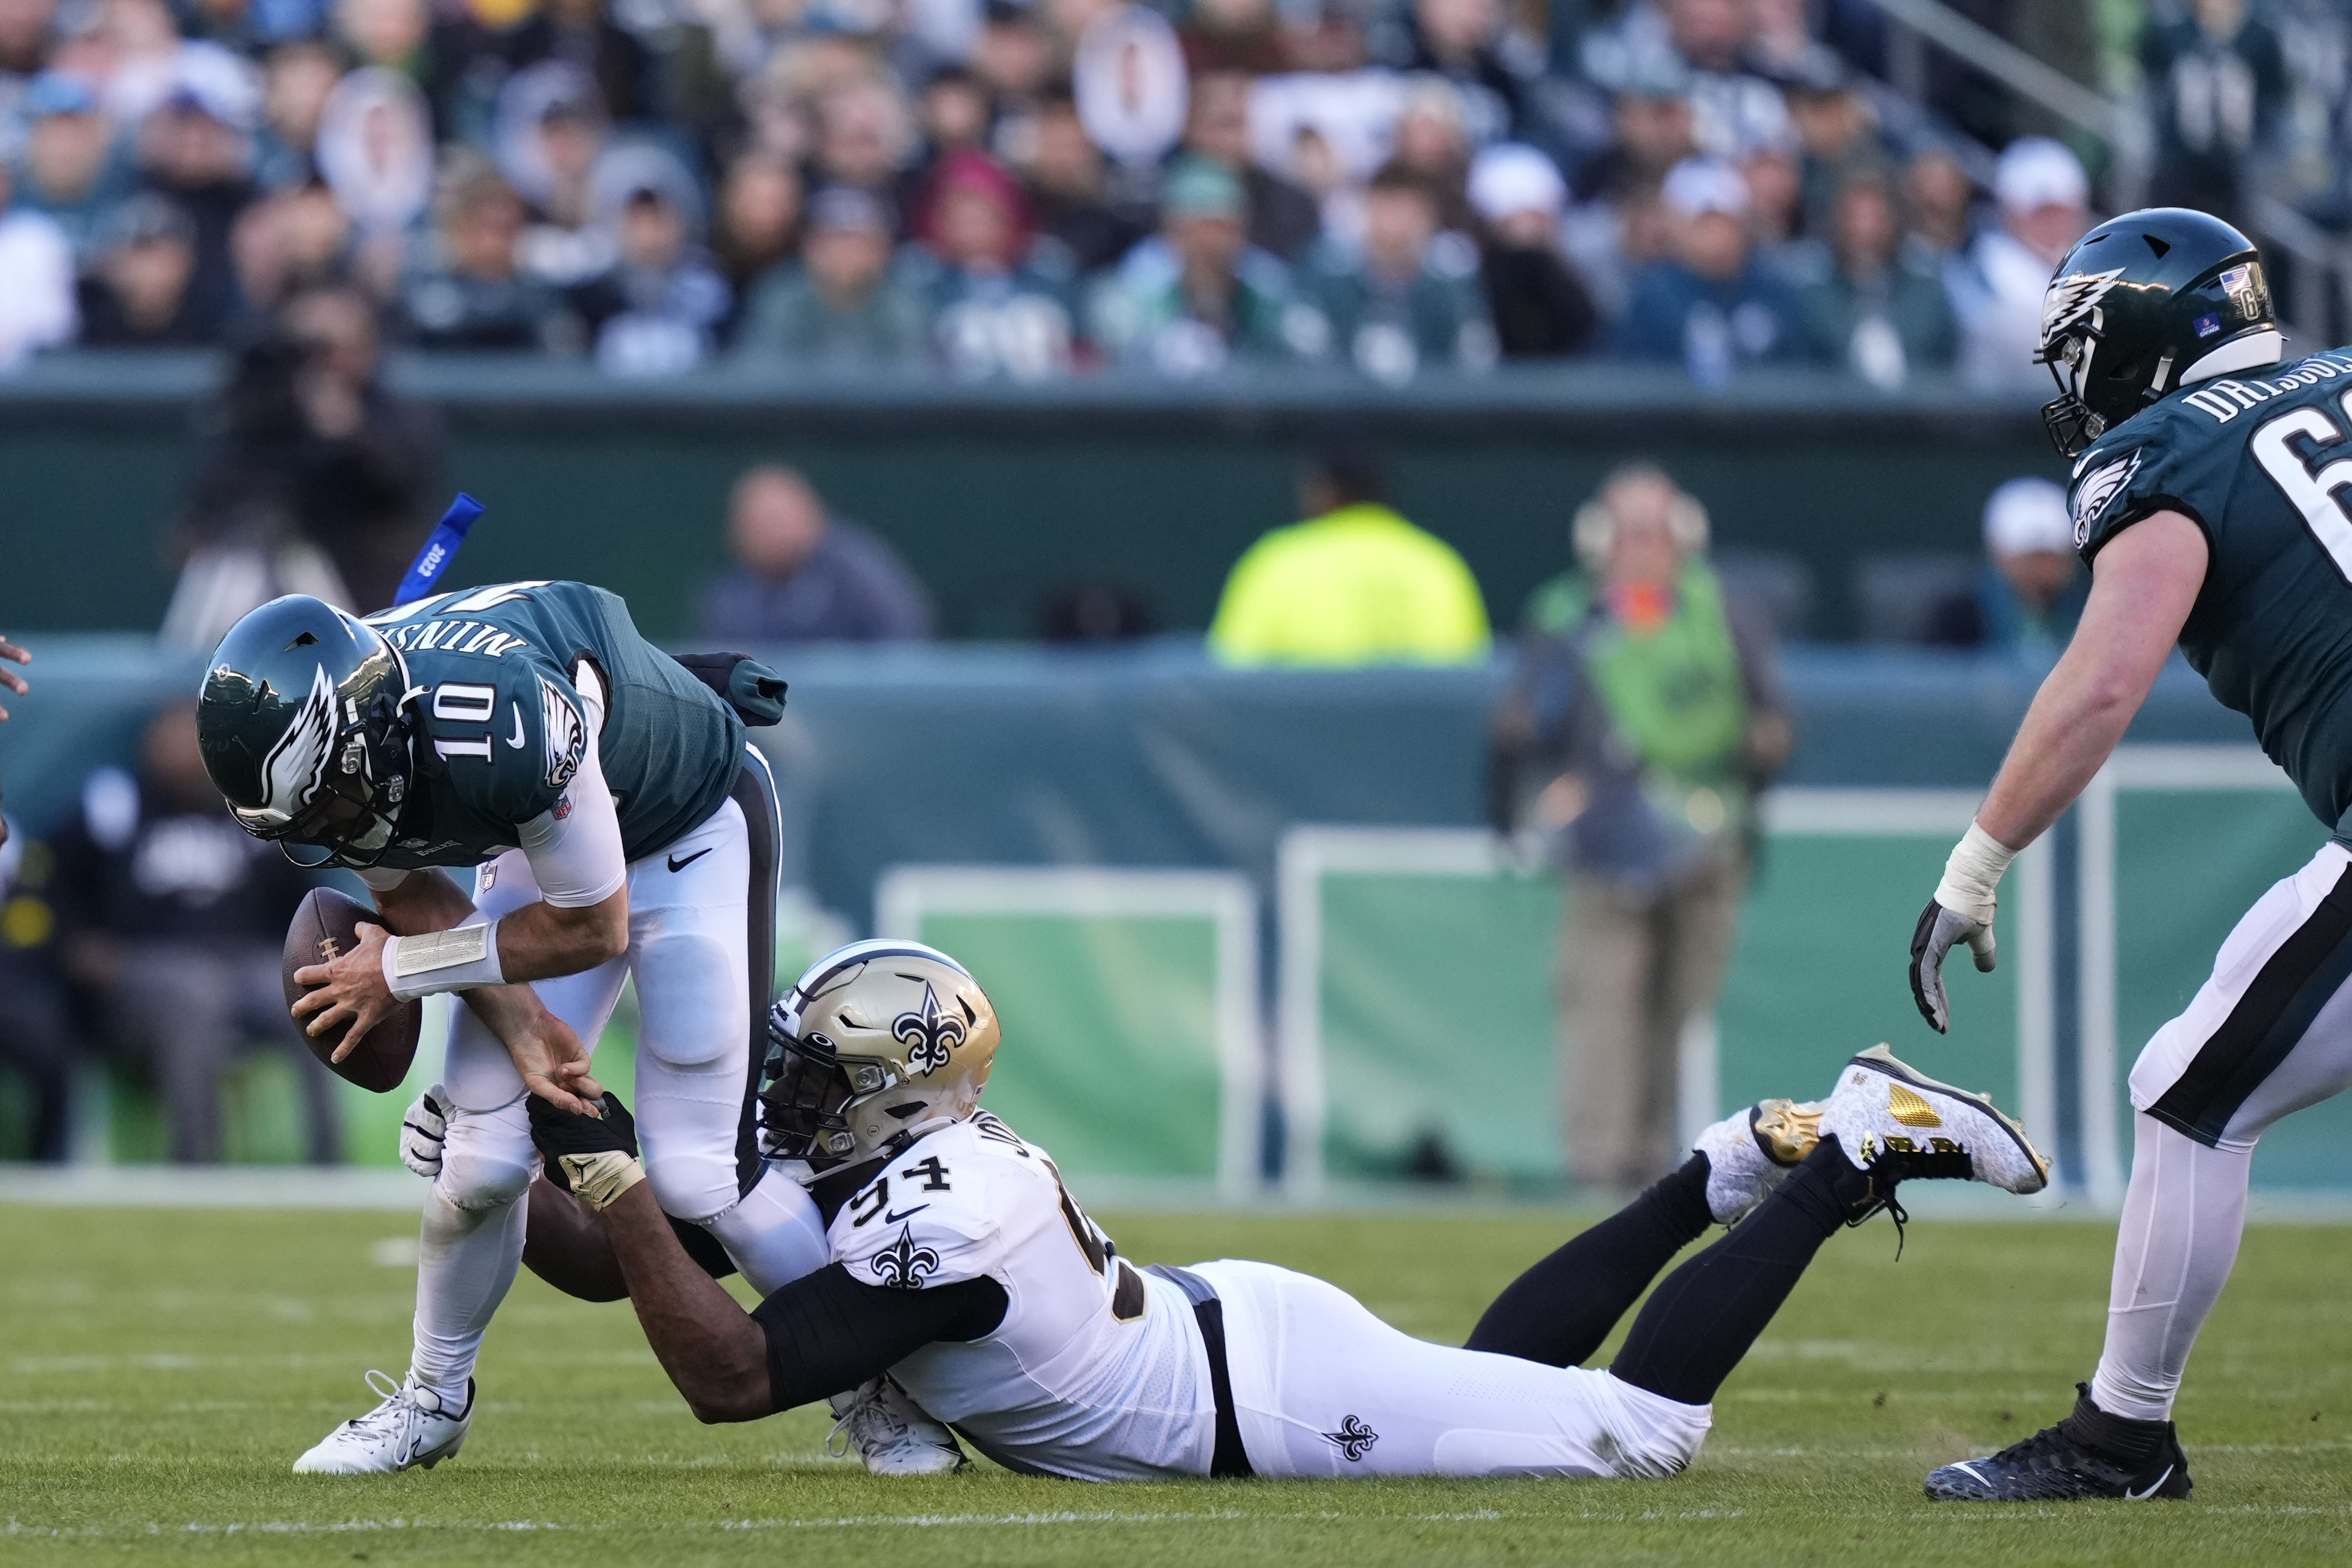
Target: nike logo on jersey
[(2143, 1497), (677, 865), (894, 1216), (515, 739)]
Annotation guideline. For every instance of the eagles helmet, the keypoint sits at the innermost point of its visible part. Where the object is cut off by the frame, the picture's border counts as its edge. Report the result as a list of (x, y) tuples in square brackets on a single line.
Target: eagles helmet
[(2142, 305), (301, 725), (878, 1043)]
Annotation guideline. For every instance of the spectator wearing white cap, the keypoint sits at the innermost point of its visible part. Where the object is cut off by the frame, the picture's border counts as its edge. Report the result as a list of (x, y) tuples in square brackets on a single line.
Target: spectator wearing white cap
[(1708, 306), (2044, 200), (2032, 587), (1541, 308)]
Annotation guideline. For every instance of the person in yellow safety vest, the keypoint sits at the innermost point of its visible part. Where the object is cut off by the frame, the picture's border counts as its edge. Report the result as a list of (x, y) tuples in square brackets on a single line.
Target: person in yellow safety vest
[(1353, 585)]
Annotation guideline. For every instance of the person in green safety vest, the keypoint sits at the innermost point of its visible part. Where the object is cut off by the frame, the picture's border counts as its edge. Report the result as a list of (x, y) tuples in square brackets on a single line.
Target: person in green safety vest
[(1645, 718), (1353, 585)]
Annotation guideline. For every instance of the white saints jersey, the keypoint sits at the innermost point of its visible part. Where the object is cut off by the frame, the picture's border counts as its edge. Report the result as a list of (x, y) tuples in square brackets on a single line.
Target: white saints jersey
[(1097, 1371)]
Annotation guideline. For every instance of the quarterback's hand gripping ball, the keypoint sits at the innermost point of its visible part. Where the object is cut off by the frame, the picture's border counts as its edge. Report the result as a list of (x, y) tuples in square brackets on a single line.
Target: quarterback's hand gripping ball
[(1939, 930), (325, 929)]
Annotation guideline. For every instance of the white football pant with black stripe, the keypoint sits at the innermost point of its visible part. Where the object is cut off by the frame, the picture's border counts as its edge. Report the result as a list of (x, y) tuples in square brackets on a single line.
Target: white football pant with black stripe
[(2268, 1033)]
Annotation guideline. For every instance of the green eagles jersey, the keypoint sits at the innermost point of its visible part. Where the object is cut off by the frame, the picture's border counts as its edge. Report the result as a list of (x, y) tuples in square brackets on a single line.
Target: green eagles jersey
[(503, 727), (2261, 464)]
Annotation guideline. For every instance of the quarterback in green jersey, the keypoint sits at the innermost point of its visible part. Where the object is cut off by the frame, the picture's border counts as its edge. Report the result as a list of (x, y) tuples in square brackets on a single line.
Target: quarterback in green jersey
[(2210, 497), (616, 824)]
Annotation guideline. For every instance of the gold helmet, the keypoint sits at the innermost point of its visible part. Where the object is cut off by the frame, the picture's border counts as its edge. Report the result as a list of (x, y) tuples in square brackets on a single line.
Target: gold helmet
[(878, 1043)]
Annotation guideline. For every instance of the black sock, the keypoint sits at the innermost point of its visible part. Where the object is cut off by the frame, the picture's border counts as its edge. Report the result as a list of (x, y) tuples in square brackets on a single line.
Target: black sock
[(2135, 1442), (1697, 1326), (1558, 1311)]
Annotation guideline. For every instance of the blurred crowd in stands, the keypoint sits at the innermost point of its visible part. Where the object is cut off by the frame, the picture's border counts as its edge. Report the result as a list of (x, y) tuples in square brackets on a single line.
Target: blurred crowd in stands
[(1025, 188)]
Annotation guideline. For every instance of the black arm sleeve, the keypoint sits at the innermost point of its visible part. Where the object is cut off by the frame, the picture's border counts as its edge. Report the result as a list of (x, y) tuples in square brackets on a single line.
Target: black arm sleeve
[(827, 1332)]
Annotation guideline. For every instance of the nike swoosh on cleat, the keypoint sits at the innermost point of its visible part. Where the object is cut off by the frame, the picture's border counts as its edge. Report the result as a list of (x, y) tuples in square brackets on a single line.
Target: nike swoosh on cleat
[(2143, 1497), (677, 865), (515, 739)]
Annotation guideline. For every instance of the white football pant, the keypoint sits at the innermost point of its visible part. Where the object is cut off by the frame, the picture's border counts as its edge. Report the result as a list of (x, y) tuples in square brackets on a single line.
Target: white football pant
[(2268, 1033), (1321, 1387), (688, 953)]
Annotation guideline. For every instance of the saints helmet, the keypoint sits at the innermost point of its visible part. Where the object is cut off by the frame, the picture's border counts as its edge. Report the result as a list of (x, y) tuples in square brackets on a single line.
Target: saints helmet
[(301, 726), (2142, 305), (878, 1043)]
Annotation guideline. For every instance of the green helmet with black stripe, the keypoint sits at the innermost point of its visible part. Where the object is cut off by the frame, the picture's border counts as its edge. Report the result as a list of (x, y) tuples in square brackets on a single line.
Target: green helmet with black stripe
[(302, 722), (2143, 305)]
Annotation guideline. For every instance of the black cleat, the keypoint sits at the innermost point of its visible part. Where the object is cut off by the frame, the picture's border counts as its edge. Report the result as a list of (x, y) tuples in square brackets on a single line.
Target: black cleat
[(2061, 1463)]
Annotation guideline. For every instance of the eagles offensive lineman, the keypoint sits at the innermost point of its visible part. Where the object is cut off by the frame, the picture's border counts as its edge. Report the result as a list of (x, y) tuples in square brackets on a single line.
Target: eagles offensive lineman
[(961, 1267), (2209, 499), (621, 827)]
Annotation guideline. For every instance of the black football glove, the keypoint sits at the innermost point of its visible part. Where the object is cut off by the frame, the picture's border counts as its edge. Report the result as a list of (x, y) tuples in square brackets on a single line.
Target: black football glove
[(593, 1157), (1939, 930)]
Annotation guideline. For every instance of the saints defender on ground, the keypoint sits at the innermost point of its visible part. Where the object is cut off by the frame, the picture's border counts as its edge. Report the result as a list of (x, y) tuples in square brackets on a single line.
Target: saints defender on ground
[(2209, 499), (961, 1267), (620, 826)]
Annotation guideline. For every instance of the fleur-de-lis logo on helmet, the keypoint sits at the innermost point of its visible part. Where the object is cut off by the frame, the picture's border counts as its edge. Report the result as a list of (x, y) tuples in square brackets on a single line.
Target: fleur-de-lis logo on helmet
[(903, 1266), (1353, 1439), (929, 1036)]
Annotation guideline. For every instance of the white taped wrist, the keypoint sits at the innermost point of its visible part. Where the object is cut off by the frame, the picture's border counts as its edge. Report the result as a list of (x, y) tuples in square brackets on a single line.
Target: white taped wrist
[(1972, 874), (598, 1179), (456, 960)]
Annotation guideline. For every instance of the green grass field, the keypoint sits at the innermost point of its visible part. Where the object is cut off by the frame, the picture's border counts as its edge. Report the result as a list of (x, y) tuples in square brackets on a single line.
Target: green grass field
[(159, 1371)]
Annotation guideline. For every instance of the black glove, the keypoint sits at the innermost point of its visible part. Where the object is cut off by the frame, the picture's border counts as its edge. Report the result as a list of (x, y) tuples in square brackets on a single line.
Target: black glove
[(557, 1132), (1939, 930)]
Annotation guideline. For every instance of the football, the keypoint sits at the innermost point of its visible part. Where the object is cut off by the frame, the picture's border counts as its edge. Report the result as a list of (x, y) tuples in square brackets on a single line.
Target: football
[(326, 925)]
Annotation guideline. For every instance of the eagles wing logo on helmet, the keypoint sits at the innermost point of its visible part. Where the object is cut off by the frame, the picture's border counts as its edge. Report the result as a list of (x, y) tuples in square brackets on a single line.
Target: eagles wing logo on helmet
[(903, 1266), (2090, 498), (291, 773), (567, 736), (930, 1035), (2072, 298)]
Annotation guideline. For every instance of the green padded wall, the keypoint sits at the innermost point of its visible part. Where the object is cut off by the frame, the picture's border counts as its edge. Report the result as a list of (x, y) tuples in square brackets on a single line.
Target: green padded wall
[(1435, 990), (1110, 1056), (1820, 973), (1437, 1019)]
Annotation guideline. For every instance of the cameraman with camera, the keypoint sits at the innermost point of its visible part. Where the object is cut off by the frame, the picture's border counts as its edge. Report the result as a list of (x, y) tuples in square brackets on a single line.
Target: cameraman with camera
[(315, 476)]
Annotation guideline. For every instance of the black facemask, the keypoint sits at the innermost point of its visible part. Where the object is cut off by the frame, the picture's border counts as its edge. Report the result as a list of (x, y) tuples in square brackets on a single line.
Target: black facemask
[(801, 1105)]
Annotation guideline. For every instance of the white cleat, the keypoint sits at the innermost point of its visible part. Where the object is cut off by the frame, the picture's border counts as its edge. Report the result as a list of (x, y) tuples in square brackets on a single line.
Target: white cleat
[(408, 1429), (1752, 1151), (890, 1432), (1894, 1120)]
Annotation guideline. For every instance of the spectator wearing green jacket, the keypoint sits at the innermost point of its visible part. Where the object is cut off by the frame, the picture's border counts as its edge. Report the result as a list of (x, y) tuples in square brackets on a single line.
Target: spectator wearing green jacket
[(1201, 299), (1874, 310), (1354, 584)]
